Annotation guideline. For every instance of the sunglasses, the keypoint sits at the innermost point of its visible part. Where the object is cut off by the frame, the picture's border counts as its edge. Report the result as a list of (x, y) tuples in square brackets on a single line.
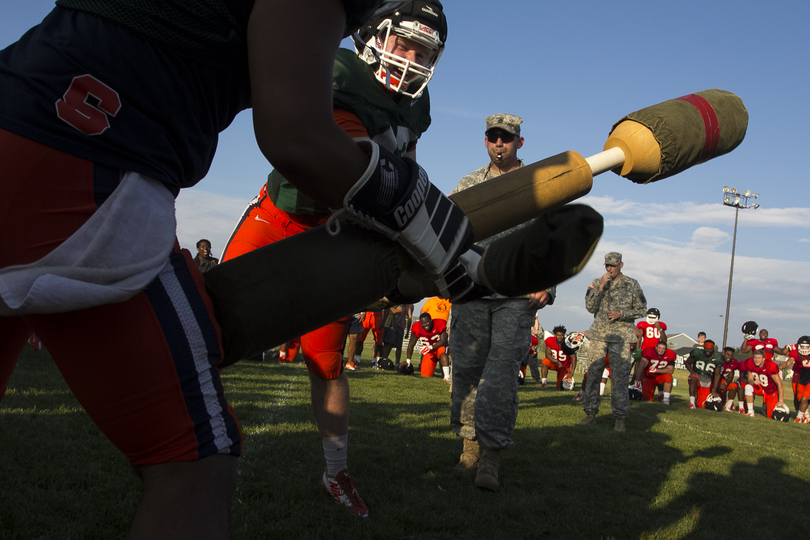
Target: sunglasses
[(493, 136)]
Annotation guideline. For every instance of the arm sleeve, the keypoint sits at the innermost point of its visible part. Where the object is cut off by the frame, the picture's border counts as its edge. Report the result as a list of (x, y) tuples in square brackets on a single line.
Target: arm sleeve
[(351, 124), (639, 308), (593, 298)]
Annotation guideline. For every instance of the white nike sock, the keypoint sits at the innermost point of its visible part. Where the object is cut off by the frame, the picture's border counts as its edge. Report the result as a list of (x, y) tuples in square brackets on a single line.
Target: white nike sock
[(692, 400), (335, 452), (446, 371), (602, 388)]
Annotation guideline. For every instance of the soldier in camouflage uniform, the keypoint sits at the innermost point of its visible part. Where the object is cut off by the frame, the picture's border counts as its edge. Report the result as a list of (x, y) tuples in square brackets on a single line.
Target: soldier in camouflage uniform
[(533, 362), (616, 301), (489, 338)]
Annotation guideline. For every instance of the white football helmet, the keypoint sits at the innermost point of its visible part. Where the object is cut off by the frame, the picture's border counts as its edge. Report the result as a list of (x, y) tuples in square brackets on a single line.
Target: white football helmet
[(568, 383), (713, 403), (574, 340), (803, 345), (421, 21)]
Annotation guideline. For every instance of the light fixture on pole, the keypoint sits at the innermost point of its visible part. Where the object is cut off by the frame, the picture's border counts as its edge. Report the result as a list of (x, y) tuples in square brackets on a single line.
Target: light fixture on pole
[(731, 197)]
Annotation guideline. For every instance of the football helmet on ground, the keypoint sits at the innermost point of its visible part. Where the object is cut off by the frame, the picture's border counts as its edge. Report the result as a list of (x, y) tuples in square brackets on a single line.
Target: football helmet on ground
[(635, 392), (781, 414), (386, 364), (405, 368), (714, 403), (568, 383)]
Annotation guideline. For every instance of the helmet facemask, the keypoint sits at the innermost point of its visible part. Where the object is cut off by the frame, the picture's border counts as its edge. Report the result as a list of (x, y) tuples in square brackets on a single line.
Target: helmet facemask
[(803, 346), (396, 73)]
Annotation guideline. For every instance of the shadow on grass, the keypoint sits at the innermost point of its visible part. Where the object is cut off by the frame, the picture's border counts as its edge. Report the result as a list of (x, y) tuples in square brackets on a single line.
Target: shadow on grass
[(669, 476)]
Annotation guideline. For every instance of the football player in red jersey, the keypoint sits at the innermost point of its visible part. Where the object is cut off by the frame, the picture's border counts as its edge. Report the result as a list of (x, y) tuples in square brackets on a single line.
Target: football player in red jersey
[(652, 329), (431, 336), (762, 379), (800, 355), (656, 367), (767, 344), (724, 385), (560, 358)]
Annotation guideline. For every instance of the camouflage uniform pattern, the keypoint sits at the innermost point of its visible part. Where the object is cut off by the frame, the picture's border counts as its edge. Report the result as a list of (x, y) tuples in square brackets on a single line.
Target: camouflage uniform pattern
[(489, 338), (534, 361), (612, 338), (506, 122), (474, 178)]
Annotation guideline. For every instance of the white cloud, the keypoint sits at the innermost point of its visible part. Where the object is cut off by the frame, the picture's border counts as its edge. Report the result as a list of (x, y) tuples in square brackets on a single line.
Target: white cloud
[(683, 269), (619, 213)]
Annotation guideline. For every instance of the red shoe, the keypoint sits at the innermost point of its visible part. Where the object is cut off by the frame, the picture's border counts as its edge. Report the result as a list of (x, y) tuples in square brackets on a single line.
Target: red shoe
[(692, 406), (341, 489), (350, 366)]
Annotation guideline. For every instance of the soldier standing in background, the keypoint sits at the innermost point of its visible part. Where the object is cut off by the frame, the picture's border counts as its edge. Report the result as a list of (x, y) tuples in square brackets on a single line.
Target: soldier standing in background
[(533, 362), (616, 301)]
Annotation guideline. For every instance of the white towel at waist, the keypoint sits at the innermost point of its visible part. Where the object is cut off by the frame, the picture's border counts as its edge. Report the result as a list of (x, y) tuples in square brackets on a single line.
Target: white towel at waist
[(112, 257)]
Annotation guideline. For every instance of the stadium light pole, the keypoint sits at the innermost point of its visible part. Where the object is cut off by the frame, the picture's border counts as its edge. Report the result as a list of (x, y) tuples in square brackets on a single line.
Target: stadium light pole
[(739, 201)]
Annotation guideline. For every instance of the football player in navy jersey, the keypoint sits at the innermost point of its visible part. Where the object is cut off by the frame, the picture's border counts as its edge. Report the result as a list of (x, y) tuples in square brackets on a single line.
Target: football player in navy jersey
[(108, 110)]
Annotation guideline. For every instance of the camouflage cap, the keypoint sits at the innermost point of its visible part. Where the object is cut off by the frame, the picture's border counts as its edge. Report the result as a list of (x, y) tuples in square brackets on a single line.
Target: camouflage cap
[(507, 122), (613, 259)]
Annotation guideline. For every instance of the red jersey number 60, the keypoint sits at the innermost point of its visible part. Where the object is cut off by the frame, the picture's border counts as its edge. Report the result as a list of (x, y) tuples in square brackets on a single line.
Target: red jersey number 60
[(90, 119)]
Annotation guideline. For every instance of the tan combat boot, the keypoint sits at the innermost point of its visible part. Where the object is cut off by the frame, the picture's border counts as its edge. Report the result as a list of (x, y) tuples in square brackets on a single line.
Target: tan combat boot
[(488, 466), (469, 458), (589, 419)]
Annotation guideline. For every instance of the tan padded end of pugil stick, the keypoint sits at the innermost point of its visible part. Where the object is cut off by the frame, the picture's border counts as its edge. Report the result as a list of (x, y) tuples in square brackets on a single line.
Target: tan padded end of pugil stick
[(518, 196), (641, 150)]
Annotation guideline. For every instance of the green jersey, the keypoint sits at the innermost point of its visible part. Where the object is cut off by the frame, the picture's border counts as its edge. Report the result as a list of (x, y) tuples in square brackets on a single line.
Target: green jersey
[(704, 365), (392, 120)]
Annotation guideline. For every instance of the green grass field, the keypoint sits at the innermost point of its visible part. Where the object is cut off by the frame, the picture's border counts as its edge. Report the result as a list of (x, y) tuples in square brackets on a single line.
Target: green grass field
[(676, 473)]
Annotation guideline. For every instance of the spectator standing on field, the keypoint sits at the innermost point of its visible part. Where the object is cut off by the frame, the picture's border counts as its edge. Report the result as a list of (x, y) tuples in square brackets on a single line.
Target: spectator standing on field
[(616, 301), (203, 258)]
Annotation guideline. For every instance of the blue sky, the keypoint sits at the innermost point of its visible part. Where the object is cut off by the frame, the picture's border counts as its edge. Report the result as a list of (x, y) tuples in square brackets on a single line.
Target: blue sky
[(571, 69)]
